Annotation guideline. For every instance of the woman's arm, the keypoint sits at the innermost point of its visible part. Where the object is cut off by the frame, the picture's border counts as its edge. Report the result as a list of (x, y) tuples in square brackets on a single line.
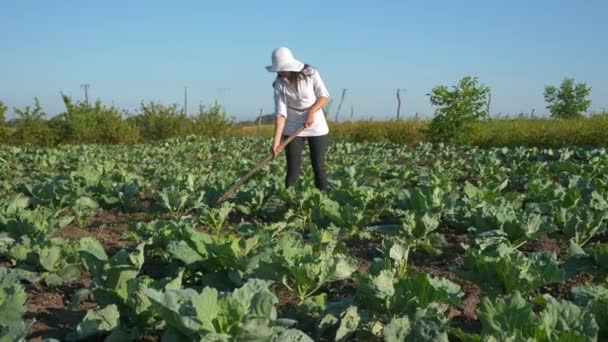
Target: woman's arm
[(280, 109), (322, 95), (279, 125), (321, 101)]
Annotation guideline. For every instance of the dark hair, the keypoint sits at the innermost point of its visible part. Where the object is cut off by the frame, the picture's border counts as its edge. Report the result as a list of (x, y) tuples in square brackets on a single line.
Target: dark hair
[(306, 71)]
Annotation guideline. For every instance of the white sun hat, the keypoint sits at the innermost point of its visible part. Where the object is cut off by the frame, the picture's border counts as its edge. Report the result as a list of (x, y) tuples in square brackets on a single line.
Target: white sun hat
[(282, 60)]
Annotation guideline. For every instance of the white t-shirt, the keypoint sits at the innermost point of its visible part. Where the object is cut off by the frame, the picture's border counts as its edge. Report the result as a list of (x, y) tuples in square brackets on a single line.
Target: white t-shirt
[(294, 104)]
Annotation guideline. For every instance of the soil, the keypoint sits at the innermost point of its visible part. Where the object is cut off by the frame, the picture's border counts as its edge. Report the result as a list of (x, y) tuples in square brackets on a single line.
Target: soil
[(556, 243), (563, 290), (49, 307)]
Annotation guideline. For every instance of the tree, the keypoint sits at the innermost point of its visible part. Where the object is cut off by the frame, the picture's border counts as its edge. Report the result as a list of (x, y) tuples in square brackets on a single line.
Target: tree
[(569, 101), (458, 108)]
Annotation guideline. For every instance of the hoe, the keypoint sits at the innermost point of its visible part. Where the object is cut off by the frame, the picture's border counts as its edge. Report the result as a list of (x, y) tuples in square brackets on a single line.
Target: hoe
[(257, 168)]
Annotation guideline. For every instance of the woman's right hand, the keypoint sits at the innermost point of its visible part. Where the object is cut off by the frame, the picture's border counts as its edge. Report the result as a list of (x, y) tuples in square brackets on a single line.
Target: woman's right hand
[(276, 148)]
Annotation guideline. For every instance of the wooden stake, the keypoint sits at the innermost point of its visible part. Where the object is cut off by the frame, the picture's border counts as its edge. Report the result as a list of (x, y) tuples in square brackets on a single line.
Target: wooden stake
[(340, 105)]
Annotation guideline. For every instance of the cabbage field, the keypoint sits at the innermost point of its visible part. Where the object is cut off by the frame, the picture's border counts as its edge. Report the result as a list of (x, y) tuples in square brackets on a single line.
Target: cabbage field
[(412, 243)]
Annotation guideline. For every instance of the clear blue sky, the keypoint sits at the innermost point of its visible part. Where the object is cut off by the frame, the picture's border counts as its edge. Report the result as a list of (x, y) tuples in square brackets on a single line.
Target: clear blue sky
[(130, 51)]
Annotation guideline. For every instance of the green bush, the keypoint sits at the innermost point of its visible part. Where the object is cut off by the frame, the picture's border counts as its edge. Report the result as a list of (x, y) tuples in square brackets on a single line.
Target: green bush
[(569, 101), (158, 122), (458, 108), (211, 123), (97, 124), (32, 128)]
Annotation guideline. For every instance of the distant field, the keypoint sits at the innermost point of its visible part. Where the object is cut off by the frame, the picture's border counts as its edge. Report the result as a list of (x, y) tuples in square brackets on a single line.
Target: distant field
[(263, 130), (488, 133)]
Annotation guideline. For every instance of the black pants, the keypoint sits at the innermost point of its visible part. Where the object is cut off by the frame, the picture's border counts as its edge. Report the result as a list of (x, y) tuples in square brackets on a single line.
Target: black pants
[(293, 152)]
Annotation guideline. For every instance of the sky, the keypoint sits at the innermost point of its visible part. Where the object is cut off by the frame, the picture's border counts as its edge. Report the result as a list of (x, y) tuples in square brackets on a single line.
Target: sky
[(134, 51)]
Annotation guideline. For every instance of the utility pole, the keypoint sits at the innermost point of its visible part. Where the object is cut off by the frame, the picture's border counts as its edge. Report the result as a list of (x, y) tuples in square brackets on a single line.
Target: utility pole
[(221, 92), (399, 102), (488, 105), (86, 92), (260, 121), (340, 105), (186, 101)]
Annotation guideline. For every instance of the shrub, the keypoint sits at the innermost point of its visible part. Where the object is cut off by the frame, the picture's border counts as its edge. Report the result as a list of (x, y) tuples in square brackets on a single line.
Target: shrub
[(98, 124), (569, 101), (458, 108), (211, 123), (32, 128), (158, 122)]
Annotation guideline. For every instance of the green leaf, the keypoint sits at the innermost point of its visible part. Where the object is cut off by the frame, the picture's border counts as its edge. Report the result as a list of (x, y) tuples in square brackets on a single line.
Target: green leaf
[(399, 252), (342, 268), (583, 295), (93, 255), (86, 203), (463, 336), (53, 280), (178, 310), (506, 316), (600, 256), (254, 329), (78, 297), (12, 298), (181, 251), (15, 331), (19, 202), (255, 297), (262, 305), (562, 320), (290, 335), (69, 273), (397, 329), (19, 252), (50, 257), (349, 321), (206, 306), (428, 325), (376, 290), (15, 275), (595, 299), (95, 322), (116, 278), (419, 290), (506, 269)]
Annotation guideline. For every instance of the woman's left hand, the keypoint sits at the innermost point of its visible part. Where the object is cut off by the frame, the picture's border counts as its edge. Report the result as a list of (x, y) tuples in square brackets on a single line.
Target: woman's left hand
[(310, 119)]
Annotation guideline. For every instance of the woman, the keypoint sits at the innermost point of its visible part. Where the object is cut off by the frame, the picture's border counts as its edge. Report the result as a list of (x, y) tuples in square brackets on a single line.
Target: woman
[(299, 97)]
